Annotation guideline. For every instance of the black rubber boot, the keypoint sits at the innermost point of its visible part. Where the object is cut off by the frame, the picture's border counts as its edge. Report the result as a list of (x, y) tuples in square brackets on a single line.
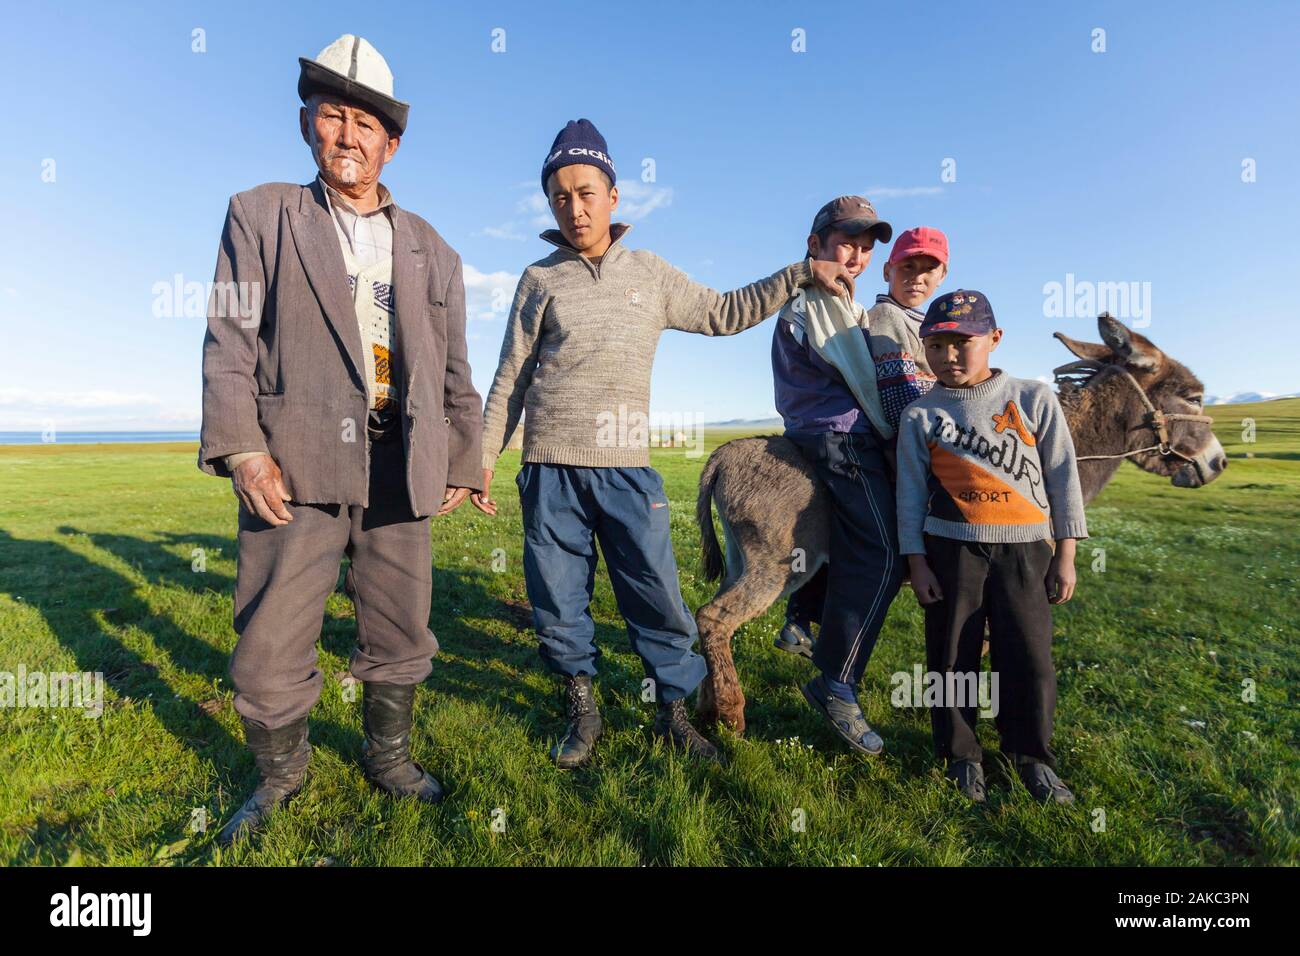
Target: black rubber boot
[(673, 724), (387, 712), (281, 756), (579, 741)]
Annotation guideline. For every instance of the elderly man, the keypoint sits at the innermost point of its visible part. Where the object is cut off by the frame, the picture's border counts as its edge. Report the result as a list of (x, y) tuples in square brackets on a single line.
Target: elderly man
[(341, 407)]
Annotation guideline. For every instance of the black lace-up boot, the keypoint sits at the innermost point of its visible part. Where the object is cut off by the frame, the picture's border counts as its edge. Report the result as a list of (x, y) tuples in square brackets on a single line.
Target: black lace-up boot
[(673, 724), (575, 748)]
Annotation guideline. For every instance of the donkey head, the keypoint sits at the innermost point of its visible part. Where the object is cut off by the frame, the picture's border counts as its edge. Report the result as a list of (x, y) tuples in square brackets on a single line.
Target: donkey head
[(1171, 388)]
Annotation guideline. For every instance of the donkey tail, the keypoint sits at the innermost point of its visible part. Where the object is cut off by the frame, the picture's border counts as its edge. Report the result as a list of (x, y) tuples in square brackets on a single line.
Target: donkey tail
[(711, 552)]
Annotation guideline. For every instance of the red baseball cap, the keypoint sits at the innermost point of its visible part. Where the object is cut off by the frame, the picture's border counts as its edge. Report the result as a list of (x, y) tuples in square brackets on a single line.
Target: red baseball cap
[(921, 241)]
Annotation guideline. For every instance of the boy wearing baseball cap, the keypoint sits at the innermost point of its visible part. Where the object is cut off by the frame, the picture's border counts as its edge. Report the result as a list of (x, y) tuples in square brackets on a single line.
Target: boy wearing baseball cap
[(916, 266), (986, 475), (577, 357), (826, 392)]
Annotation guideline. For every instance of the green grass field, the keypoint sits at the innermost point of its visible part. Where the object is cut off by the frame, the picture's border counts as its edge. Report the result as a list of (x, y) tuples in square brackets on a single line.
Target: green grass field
[(1198, 596)]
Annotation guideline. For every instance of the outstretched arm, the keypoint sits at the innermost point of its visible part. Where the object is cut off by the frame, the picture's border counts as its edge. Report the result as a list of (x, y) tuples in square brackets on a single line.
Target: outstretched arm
[(692, 307)]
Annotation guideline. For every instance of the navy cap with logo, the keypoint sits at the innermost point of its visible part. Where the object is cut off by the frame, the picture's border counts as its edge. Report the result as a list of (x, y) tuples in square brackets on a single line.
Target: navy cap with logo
[(963, 312)]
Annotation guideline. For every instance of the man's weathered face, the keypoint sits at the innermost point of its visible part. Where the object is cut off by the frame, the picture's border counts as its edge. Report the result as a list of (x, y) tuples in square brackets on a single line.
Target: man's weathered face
[(350, 144)]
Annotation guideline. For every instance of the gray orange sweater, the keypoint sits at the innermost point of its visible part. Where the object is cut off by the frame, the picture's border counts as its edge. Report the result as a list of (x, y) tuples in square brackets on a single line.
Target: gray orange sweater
[(993, 463)]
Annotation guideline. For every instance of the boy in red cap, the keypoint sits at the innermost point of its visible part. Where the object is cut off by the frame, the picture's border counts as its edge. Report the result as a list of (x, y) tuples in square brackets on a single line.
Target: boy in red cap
[(917, 264)]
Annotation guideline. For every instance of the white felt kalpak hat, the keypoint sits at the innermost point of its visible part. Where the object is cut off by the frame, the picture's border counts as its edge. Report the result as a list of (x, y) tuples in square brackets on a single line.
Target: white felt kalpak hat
[(352, 68)]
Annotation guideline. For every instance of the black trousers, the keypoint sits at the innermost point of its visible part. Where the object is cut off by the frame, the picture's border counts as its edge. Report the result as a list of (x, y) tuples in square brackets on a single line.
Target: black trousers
[(1003, 584), (805, 605), (865, 569)]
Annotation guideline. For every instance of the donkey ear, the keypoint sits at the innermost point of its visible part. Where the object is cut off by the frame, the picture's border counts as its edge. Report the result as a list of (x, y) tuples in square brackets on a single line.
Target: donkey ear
[(1129, 347), (1085, 350)]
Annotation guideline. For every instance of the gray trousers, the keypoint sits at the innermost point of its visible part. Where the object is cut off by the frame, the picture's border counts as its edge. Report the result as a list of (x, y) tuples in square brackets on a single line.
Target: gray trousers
[(286, 572)]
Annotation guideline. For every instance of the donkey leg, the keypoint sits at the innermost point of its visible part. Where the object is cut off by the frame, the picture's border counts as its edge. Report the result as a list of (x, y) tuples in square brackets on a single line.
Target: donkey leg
[(721, 697)]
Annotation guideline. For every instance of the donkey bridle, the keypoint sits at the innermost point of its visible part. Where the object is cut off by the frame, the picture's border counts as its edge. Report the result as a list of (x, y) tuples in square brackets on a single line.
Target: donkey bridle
[(1155, 419)]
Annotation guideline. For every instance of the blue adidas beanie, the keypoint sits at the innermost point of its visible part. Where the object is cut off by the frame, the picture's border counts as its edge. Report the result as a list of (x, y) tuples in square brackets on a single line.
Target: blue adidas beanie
[(578, 143)]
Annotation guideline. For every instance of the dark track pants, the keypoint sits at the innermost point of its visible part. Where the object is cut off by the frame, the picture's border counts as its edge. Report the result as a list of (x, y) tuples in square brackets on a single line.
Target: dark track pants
[(286, 572), (1005, 585), (566, 510), (865, 568)]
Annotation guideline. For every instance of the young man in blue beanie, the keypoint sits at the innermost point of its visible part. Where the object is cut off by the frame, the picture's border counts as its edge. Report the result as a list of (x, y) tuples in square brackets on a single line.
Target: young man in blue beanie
[(577, 356)]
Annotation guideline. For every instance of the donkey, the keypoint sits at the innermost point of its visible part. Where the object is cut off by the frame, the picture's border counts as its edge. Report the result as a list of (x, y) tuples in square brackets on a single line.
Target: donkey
[(1120, 400)]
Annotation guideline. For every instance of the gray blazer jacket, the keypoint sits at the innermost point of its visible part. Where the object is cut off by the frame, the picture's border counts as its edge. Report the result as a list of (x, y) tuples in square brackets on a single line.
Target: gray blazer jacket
[(282, 361)]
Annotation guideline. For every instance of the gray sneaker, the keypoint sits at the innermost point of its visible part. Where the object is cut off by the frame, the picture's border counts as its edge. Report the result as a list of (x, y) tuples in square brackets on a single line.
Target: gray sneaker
[(845, 717), (1042, 781)]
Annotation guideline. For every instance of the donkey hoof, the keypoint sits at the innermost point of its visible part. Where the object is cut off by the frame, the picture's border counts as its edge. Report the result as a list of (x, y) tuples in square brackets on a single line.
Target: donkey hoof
[(733, 718)]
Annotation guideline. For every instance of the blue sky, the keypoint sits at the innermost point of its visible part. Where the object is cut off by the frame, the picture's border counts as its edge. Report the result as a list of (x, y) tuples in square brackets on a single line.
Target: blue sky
[(1122, 166)]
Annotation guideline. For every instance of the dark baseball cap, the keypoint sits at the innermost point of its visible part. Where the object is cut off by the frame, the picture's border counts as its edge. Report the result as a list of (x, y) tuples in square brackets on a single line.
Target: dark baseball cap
[(852, 214), (963, 312)]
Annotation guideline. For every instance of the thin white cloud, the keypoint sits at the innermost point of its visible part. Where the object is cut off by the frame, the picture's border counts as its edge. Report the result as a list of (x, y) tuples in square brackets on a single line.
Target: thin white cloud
[(507, 230), (488, 294), (899, 192), (537, 208), (636, 199), (102, 398), (27, 409)]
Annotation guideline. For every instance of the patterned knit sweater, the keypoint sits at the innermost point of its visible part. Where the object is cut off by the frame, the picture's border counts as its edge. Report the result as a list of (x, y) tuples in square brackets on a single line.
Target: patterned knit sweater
[(902, 373), (992, 463)]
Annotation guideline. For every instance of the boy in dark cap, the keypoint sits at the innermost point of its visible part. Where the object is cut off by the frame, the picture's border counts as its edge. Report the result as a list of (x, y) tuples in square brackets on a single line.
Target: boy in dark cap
[(829, 399), (897, 373), (577, 358), (986, 475)]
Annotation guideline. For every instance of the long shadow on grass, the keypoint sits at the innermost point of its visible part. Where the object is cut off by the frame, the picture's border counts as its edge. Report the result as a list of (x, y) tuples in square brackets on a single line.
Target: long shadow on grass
[(73, 594), (483, 667)]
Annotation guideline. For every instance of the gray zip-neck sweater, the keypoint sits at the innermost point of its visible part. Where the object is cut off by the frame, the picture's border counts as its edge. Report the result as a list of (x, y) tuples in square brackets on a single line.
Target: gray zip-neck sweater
[(992, 463), (580, 343)]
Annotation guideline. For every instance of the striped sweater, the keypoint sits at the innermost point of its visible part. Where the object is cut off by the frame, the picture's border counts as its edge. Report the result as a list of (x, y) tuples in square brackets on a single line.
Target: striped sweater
[(993, 462)]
